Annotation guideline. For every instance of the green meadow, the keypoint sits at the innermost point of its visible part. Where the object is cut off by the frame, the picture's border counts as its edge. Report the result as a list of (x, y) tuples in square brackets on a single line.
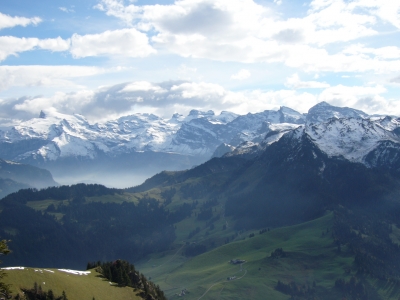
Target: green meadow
[(312, 261), (77, 287)]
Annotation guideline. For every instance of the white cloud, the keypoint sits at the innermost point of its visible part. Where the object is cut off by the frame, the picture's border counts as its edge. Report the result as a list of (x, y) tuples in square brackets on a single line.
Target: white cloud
[(166, 98), (366, 98), (127, 42), (67, 10), (10, 45), (319, 60), (50, 76), (387, 10), (389, 52), (68, 103), (244, 31), (143, 86), (7, 21), (117, 9), (241, 75), (294, 82), (185, 72), (57, 45)]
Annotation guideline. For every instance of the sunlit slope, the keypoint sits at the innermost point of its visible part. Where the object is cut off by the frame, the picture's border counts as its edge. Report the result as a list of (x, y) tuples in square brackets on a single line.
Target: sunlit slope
[(77, 287), (312, 261)]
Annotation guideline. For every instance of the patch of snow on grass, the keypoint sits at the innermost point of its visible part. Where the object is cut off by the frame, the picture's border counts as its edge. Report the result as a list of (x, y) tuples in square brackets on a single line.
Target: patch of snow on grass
[(74, 272), (14, 268), (49, 271)]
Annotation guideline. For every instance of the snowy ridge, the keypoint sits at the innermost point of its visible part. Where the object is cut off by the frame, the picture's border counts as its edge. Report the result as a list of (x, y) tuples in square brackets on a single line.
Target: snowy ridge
[(324, 111), (339, 132), (366, 141), (265, 136), (199, 133)]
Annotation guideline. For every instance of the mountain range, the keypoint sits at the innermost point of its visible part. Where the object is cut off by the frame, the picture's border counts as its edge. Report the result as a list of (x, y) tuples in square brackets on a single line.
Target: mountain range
[(132, 148)]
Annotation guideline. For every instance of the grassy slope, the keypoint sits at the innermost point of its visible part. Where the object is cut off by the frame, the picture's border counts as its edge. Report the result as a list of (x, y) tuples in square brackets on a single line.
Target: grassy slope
[(311, 257), (77, 287), (303, 242)]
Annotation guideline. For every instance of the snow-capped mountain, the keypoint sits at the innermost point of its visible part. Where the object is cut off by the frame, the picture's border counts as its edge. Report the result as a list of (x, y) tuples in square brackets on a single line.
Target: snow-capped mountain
[(371, 142), (324, 111), (70, 145), (53, 135)]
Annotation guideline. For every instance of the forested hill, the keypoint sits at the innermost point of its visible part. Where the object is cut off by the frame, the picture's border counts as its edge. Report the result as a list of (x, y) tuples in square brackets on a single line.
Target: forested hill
[(69, 225), (59, 193)]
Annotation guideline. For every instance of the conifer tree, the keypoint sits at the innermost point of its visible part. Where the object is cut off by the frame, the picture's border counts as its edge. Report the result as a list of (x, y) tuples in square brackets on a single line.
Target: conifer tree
[(64, 296), (4, 288)]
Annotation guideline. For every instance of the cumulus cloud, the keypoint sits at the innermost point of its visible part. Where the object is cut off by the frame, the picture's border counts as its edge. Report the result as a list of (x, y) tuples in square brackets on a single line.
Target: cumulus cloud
[(128, 42), (117, 8), (10, 45), (165, 98), (7, 21), (245, 31), (241, 75), (294, 82), (386, 10), (162, 98), (367, 98)]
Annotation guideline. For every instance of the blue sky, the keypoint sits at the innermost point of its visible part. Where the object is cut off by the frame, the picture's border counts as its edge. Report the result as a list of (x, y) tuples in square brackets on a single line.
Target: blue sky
[(107, 58)]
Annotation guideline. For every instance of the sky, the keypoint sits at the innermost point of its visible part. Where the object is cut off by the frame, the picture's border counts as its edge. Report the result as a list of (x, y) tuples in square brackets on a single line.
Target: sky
[(108, 58)]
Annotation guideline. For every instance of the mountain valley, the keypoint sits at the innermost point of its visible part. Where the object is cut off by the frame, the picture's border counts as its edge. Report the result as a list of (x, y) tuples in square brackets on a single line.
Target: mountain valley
[(308, 205)]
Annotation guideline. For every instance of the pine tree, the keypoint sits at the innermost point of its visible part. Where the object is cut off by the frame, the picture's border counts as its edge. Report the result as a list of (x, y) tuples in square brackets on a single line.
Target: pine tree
[(4, 288), (64, 296), (50, 295)]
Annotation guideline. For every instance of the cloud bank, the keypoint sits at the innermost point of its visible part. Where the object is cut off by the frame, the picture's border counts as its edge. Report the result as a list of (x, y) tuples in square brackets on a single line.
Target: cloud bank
[(166, 98)]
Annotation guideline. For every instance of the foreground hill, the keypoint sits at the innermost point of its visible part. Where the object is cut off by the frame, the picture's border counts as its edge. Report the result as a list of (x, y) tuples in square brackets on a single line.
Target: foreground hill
[(101, 279), (78, 285)]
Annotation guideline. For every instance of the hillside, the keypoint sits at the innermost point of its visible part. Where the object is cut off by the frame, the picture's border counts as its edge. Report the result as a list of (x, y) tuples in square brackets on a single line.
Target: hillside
[(15, 176), (311, 260), (8, 186), (77, 285)]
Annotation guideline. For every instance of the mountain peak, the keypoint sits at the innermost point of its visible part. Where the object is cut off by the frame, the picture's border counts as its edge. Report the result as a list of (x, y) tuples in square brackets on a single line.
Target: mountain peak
[(42, 115), (322, 104), (324, 111), (176, 116), (195, 112)]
